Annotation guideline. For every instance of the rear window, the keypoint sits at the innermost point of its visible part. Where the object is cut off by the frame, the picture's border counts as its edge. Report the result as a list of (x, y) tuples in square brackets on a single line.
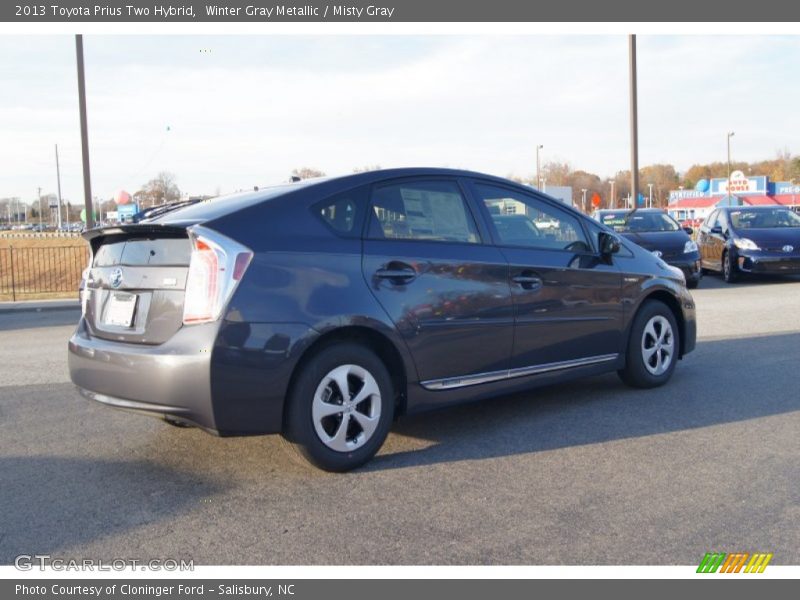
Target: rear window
[(208, 210), (144, 252)]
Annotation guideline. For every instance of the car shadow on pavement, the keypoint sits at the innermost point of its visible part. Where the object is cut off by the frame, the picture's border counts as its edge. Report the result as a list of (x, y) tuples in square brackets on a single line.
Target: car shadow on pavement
[(723, 381), (51, 504)]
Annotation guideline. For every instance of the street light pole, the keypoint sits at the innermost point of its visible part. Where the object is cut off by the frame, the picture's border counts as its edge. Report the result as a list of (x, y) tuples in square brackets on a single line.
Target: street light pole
[(634, 122), (583, 201), (730, 135), (612, 203), (650, 185), (538, 168)]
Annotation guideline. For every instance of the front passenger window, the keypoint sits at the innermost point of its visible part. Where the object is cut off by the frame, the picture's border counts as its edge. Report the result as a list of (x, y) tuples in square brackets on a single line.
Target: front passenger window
[(527, 221)]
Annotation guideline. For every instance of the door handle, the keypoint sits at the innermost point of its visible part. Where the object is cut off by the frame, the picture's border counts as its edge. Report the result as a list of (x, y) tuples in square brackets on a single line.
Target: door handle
[(528, 281), (397, 273)]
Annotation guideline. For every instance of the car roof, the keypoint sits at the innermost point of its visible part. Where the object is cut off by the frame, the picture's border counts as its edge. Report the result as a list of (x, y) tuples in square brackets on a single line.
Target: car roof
[(759, 207), (316, 188), (627, 210)]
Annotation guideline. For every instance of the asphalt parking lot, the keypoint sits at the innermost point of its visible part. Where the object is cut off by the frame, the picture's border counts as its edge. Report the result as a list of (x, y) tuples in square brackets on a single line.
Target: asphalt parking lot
[(588, 473)]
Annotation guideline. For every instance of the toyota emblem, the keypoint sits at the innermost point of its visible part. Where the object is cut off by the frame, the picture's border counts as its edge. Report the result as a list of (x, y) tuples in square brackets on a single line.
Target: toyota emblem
[(787, 248), (657, 253), (115, 279)]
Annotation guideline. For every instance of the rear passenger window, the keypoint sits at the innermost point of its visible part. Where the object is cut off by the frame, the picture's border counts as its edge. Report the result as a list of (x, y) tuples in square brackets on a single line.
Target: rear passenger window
[(711, 221), (344, 213), (422, 210)]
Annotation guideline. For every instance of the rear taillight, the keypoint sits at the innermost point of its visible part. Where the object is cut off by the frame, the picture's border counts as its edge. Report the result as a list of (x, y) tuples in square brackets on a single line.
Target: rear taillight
[(216, 267)]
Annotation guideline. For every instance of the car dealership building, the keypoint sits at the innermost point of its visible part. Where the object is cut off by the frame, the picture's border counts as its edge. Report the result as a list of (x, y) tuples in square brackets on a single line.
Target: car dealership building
[(690, 207)]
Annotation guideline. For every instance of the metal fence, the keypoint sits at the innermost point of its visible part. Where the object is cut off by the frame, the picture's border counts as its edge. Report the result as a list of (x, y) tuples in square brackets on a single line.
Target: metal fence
[(41, 272)]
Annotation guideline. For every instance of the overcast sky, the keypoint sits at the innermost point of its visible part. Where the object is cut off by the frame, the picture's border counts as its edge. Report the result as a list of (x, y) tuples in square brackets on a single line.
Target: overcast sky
[(226, 113)]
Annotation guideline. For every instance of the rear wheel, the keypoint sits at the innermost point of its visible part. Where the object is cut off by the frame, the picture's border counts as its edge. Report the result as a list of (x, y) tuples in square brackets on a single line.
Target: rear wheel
[(340, 408), (730, 271), (653, 347)]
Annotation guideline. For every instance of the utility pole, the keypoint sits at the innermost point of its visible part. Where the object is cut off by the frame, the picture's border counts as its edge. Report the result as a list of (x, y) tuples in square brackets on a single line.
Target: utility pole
[(58, 179), (634, 122), (730, 135), (538, 168), (39, 194), (87, 183)]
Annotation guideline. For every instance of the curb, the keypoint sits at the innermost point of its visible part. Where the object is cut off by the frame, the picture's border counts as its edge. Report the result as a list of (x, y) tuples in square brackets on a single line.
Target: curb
[(26, 307)]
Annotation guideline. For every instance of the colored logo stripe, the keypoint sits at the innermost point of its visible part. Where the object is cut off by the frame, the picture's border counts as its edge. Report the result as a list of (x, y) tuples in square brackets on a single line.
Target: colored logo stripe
[(759, 561), (711, 562), (734, 562)]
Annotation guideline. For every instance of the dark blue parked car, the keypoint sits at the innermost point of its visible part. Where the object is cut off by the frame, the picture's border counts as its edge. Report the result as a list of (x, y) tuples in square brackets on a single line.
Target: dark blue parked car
[(323, 309), (751, 239), (654, 230)]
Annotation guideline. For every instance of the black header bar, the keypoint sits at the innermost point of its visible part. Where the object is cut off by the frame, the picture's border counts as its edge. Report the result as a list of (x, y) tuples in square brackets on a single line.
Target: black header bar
[(397, 11)]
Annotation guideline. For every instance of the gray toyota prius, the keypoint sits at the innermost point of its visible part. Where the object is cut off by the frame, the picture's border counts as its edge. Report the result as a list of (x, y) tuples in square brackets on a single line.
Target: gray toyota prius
[(321, 310)]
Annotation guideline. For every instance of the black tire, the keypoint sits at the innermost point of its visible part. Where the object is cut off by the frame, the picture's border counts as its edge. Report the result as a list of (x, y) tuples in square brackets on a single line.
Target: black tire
[(730, 271), (639, 369), (300, 427)]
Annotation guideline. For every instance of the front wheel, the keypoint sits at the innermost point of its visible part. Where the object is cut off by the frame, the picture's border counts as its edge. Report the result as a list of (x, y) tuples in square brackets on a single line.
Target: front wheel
[(653, 347), (730, 272), (340, 408)]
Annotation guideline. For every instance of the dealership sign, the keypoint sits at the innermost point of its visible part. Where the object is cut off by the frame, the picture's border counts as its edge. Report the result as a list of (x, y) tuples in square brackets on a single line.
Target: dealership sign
[(739, 184), (679, 194), (787, 187)]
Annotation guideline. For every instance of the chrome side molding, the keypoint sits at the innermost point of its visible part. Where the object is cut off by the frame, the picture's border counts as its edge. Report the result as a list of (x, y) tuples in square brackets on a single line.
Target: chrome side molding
[(449, 383)]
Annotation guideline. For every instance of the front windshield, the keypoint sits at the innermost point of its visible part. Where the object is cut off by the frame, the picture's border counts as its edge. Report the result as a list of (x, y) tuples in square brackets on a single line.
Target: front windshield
[(639, 221), (769, 218)]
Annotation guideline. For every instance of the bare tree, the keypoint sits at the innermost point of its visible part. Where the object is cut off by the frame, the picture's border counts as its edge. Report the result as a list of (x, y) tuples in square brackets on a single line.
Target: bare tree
[(160, 190), (307, 173)]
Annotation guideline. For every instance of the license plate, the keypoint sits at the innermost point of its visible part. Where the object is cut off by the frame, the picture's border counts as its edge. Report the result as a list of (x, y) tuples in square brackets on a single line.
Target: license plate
[(120, 309)]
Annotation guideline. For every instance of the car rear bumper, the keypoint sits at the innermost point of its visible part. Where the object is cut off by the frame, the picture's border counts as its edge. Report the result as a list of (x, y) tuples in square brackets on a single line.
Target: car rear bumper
[(229, 378), (773, 263), (170, 379)]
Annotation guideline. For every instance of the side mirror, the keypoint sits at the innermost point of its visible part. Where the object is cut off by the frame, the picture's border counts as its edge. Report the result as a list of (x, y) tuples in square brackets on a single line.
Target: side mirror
[(716, 229), (688, 230), (609, 244)]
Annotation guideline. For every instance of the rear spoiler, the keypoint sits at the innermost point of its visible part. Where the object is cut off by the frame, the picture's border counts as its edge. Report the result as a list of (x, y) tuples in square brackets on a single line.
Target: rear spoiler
[(136, 229)]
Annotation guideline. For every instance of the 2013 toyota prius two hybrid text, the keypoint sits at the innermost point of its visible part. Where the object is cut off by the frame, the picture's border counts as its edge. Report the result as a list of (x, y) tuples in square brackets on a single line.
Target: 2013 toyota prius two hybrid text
[(323, 309)]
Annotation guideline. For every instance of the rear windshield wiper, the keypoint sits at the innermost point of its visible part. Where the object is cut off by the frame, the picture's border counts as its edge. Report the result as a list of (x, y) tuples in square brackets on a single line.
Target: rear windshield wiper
[(157, 211)]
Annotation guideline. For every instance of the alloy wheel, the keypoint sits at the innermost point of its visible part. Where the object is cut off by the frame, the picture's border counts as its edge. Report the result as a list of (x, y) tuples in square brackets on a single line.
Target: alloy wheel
[(658, 345), (346, 408)]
